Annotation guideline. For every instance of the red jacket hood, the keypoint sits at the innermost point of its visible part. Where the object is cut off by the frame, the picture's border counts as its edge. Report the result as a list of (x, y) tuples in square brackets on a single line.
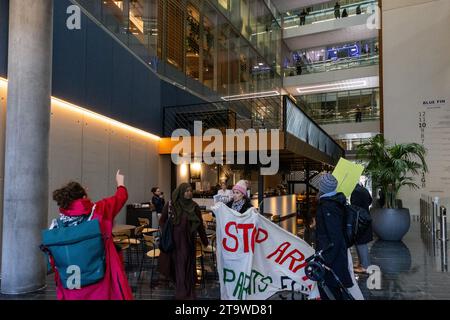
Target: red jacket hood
[(78, 207)]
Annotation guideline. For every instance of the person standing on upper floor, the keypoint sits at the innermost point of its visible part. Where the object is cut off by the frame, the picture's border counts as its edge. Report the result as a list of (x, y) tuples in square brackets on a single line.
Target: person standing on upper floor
[(180, 264), (303, 15), (358, 114), (344, 13), (361, 197), (75, 208), (358, 10), (337, 10), (240, 203), (330, 235), (298, 67), (158, 199)]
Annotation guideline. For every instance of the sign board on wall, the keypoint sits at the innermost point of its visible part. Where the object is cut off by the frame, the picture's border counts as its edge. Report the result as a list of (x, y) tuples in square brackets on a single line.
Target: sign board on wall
[(434, 126)]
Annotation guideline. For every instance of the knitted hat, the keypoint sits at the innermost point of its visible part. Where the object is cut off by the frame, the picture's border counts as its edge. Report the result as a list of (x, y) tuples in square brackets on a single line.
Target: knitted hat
[(327, 183), (241, 186)]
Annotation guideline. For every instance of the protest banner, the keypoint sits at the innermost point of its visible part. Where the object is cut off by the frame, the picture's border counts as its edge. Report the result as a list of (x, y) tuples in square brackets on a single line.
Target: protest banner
[(256, 258), (347, 174), (222, 198)]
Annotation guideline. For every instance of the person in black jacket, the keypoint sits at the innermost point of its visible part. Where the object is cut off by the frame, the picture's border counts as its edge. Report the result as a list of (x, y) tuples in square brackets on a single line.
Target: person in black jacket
[(158, 200), (337, 10), (241, 203), (330, 234), (362, 198), (303, 15)]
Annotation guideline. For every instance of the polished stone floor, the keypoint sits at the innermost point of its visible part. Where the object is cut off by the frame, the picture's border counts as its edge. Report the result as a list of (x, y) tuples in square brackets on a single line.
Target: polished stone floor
[(411, 270), (414, 269)]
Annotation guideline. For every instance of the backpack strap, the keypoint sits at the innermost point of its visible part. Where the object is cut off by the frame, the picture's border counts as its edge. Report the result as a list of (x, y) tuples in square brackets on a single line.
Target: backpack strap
[(51, 259), (92, 213)]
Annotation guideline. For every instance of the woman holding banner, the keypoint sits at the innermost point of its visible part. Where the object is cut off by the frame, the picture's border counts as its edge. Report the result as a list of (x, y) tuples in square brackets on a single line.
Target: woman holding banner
[(240, 203)]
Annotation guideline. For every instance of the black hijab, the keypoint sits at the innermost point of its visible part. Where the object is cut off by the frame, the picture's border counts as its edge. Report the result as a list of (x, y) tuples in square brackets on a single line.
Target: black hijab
[(182, 205)]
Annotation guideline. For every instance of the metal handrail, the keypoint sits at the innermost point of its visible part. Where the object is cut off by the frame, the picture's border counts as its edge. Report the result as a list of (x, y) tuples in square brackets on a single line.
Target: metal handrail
[(333, 65), (433, 216), (429, 210), (443, 224)]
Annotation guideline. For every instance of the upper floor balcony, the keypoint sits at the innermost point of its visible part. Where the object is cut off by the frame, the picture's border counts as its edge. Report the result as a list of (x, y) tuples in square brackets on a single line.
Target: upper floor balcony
[(300, 138), (354, 25), (326, 12), (332, 65)]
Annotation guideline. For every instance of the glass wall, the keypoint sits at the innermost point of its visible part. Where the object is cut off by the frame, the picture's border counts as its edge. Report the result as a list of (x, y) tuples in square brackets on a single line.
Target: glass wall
[(216, 48), (344, 106), (258, 22)]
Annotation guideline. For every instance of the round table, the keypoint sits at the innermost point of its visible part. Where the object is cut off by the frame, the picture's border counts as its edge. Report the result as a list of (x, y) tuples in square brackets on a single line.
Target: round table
[(150, 230), (123, 227)]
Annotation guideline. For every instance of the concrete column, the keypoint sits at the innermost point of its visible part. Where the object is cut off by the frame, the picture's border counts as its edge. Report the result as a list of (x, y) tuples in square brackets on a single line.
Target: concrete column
[(27, 144)]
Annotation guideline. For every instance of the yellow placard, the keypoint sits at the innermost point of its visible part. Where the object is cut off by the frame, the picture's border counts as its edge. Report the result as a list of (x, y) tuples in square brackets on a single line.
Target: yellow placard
[(347, 174)]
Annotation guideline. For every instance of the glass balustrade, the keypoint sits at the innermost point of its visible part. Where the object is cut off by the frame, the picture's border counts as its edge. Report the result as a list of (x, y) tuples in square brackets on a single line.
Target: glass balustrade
[(342, 107), (292, 19), (332, 65)]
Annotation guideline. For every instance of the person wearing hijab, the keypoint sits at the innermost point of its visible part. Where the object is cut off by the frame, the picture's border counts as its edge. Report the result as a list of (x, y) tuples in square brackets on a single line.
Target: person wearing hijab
[(180, 264), (240, 203)]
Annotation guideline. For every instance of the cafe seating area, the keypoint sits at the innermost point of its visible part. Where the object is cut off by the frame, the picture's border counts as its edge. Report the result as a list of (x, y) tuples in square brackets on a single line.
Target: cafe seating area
[(140, 247)]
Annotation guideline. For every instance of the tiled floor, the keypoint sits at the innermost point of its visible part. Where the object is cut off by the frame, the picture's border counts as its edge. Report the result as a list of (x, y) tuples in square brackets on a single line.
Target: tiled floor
[(411, 269)]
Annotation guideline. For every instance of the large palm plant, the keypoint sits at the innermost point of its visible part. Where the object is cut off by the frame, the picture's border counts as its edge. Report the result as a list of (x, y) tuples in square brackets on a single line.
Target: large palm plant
[(392, 166)]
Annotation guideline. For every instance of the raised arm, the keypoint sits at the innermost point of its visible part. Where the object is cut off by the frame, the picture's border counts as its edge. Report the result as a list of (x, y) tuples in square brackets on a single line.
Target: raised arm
[(113, 205)]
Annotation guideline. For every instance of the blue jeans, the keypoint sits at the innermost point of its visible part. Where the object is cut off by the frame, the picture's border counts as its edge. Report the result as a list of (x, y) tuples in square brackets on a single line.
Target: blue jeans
[(363, 255)]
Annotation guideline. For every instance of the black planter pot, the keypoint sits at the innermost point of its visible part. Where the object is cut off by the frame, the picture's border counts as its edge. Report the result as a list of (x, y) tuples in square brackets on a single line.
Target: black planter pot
[(390, 224)]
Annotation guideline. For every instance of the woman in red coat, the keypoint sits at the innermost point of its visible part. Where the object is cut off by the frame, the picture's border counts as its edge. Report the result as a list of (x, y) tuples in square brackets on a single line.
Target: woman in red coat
[(75, 206)]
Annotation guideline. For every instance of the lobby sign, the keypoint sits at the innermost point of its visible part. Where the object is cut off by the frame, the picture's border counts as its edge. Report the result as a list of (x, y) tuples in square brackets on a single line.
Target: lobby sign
[(434, 128), (256, 258), (347, 174)]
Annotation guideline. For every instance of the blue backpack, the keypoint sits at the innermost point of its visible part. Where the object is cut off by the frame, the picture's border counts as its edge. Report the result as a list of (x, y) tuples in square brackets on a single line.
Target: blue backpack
[(77, 249)]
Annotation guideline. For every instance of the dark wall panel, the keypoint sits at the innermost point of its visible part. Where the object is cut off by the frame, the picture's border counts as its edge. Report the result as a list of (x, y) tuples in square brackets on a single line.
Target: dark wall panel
[(69, 57), (173, 96), (146, 110), (99, 69), (4, 23), (122, 83)]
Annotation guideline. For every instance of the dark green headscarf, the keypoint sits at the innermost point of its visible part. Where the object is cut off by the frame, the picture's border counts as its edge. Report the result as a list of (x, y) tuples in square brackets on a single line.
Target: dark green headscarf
[(182, 205)]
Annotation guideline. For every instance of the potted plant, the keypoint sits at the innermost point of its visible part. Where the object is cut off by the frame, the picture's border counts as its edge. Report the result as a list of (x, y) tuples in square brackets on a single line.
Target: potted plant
[(391, 167)]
